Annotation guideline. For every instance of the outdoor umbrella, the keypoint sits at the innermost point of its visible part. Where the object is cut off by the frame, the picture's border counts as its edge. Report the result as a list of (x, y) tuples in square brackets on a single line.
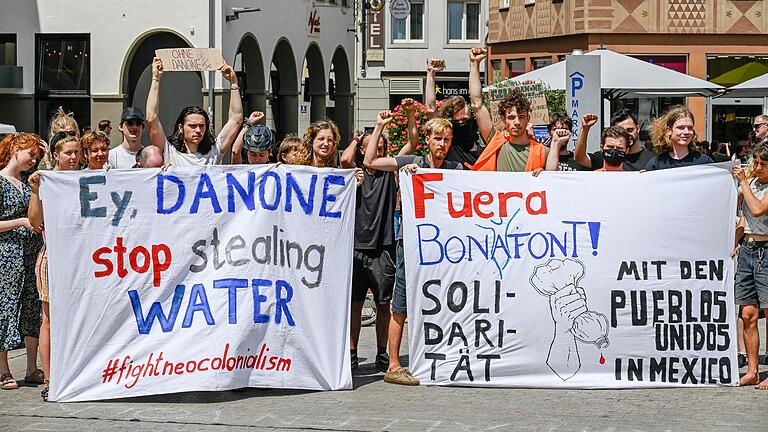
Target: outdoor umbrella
[(741, 74), (622, 75), (756, 87)]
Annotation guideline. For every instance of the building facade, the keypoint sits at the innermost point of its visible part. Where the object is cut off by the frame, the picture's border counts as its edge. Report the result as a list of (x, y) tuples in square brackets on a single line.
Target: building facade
[(718, 40), (396, 51), (295, 59)]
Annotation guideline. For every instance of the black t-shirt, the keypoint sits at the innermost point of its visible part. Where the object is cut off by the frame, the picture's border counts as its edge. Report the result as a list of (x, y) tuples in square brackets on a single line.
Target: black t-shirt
[(375, 209), (665, 161), (568, 163)]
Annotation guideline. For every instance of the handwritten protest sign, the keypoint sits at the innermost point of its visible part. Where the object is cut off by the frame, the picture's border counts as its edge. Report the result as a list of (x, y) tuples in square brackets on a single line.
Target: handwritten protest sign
[(570, 281), (190, 59), (534, 91), (207, 278)]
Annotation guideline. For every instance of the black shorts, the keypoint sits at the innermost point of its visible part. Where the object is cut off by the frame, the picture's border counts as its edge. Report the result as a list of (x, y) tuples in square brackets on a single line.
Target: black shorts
[(374, 269)]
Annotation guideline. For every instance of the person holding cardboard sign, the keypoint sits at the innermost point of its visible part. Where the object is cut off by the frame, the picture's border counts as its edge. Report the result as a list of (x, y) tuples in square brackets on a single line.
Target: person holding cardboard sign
[(192, 142)]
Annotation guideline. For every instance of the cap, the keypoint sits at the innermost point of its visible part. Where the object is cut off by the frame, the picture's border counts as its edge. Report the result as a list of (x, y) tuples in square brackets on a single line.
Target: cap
[(258, 138), (132, 113)]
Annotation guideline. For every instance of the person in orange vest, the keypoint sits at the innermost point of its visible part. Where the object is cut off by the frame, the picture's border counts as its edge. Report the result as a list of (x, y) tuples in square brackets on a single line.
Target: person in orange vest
[(510, 149)]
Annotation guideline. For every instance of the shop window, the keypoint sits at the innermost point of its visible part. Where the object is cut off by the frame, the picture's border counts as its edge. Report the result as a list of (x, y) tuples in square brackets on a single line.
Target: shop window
[(731, 70), (496, 68), (463, 21), (62, 78), (410, 28), (7, 50)]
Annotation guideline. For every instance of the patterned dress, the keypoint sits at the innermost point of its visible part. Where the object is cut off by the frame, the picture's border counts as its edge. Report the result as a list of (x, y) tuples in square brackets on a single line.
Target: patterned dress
[(19, 305)]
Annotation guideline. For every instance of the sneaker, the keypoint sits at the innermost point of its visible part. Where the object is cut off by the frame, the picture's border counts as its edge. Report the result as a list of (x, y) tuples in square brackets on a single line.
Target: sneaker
[(382, 361), (742, 359), (765, 359), (354, 361), (401, 376)]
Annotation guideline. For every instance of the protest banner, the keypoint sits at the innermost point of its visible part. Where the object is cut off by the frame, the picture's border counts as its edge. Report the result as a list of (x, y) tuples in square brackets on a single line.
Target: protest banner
[(563, 281), (534, 91), (208, 278), (190, 59)]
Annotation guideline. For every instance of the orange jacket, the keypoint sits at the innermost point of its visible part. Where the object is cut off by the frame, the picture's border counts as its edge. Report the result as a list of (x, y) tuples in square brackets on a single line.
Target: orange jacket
[(537, 158)]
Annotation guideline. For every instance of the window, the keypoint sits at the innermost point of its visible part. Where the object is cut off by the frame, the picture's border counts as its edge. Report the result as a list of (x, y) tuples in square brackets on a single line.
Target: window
[(410, 28), (63, 64), (463, 21), (496, 67), (515, 67), (7, 50), (542, 62), (504, 4)]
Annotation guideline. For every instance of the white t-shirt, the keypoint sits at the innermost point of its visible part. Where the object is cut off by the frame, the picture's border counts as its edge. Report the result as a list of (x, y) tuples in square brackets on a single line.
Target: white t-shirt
[(120, 158), (179, 159)]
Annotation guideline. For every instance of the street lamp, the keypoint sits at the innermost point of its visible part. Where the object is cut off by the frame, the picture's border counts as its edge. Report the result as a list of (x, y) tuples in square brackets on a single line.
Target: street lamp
[(236, 11)]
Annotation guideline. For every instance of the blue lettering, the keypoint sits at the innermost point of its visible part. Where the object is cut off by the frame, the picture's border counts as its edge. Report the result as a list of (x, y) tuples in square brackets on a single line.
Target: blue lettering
[(263, 190), (291, 186), (161, 209), (329, 198), (210, 193), (432, 240), (231, 285), (281, 303), (248, 198), (258, 299), (197, 293), (156, 312)]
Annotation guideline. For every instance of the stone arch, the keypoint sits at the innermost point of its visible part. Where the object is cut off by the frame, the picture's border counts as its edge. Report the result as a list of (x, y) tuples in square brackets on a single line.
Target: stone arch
[(313, 82), (249, 67), (178, 90), (283, 90), (341, 93)]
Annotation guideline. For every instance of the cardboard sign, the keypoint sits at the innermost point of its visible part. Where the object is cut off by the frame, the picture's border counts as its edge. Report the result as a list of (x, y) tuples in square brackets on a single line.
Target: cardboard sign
[(521, 281), (534, 91), (190, 59)]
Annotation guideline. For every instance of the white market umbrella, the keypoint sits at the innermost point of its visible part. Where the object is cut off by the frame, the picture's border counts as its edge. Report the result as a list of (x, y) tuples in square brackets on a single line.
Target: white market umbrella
[(7, 129), (621, 75), (756, 87)]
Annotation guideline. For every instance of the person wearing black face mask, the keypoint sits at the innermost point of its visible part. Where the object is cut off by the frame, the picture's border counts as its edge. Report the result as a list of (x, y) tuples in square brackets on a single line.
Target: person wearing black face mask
[(465, 146), (614, 142)]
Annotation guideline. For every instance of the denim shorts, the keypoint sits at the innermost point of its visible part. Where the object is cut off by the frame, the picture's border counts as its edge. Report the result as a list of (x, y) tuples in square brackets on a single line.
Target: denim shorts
[(398, 297), (752, 275)]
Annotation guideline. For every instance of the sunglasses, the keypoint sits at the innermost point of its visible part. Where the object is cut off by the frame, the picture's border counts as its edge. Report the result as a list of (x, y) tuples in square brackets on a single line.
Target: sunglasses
[(757, 125), (134, 123)]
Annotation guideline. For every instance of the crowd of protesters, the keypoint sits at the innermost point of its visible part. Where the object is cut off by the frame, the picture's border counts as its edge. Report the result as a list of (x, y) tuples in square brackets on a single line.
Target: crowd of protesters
[(459, 136)]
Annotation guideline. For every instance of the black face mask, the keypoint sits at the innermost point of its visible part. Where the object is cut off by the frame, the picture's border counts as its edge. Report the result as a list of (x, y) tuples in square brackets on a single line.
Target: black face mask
[(614, 157), (464, 133)]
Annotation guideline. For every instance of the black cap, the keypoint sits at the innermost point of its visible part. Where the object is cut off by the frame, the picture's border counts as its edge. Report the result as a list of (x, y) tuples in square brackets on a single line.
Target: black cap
[(258, 139), (132, 113)]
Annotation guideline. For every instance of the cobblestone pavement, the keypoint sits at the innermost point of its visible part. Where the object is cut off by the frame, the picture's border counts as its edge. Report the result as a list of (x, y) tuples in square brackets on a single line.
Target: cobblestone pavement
[(376, 406)]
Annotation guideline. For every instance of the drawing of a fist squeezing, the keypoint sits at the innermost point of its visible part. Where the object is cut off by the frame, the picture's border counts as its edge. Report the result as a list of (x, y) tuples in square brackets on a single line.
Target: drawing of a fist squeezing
[(558, 280)]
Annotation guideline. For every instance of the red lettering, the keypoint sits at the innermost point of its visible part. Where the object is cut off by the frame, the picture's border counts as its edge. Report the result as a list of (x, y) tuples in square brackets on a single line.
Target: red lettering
[(419, 196), (120, 251), (542, 196), (483, 198), (105, 262), (503, 197), (133, 261), (465, 211), (157, 266)]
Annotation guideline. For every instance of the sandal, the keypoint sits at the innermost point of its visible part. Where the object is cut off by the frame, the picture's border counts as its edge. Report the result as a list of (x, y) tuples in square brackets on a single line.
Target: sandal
[(7, 382), (36, 377), (44, 393)]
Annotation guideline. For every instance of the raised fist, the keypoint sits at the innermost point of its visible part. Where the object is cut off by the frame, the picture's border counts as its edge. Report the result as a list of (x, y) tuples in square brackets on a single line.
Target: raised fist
[(383, 118), (588, 120), (477, 54), (157, 68), (435, 65)]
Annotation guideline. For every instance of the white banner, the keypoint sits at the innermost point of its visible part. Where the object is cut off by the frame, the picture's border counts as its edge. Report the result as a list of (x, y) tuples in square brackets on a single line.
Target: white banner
[(596, 280), (207, 278)]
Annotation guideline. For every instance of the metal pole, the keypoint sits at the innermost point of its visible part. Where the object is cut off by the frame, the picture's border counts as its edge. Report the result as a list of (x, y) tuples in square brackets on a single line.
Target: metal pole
[(363, 36), (211, 44)]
